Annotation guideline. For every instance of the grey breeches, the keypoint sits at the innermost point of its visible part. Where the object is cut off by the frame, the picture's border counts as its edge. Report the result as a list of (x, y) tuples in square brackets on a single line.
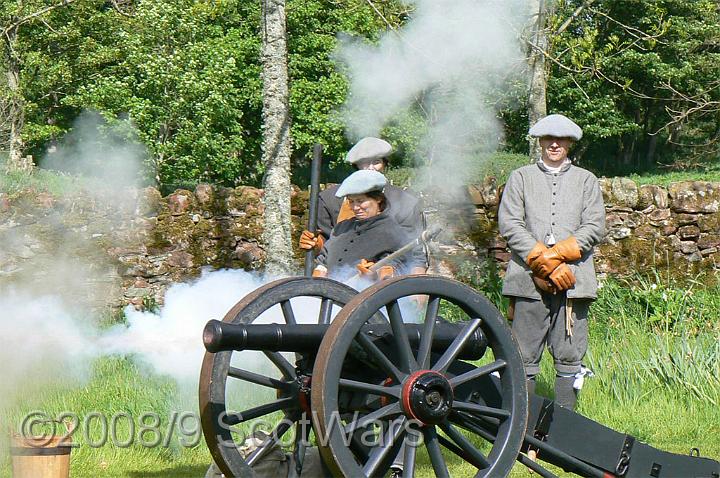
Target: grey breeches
[(541, 322)]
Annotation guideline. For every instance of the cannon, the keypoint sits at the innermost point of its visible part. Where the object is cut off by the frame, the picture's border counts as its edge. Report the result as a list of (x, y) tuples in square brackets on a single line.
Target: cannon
[(368, 377)]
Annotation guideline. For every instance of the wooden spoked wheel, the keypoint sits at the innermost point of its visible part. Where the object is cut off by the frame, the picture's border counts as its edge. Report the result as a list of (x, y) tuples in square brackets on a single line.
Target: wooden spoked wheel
[(290, 383), (406, 398)]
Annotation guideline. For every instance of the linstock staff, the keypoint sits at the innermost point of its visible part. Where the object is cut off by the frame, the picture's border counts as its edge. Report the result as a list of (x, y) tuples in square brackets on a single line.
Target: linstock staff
[(552, 215)]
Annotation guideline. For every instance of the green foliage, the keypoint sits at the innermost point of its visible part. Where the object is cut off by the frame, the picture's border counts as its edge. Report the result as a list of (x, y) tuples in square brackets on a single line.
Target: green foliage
[(187, 74), (641, 77)]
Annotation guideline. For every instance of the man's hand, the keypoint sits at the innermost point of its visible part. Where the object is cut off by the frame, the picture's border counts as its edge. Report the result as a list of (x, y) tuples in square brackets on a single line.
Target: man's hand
[(544, 285), (364, 266), (562, 277), (320, 271), (385, 272), (309, 241), (536, 252), (564, 251)]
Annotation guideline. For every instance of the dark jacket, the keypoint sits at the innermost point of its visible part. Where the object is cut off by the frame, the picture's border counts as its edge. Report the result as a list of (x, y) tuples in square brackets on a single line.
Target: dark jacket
[(405, 210), (371, 239)]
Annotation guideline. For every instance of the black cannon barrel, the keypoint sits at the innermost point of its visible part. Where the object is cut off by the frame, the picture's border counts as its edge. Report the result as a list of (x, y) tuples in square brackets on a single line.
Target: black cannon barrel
[(220, 336)]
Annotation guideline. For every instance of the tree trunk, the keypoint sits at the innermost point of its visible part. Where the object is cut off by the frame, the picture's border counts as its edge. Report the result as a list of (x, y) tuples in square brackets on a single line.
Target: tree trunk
[(277, 145), (16, 112), (537, 101)]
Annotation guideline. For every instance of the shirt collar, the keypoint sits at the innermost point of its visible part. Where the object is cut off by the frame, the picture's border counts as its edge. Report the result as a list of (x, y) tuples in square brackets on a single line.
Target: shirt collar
[(562, 168)]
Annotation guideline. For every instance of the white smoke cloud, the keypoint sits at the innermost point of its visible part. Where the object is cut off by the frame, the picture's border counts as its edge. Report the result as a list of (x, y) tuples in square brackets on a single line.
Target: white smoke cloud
[(454, 58), (107, 153), (170, 340), (54, 272), (43, 340)]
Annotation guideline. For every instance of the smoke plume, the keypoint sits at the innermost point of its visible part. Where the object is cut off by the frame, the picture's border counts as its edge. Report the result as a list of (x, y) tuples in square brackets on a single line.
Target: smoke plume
[(451, 61), (108, 154)]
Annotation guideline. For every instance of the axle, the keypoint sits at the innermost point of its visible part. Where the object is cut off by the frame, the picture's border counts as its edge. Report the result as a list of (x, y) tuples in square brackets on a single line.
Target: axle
[(306, 338)]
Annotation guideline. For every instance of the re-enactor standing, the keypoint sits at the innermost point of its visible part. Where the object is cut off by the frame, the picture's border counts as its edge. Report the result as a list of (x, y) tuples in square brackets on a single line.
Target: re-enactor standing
[(552, 216)]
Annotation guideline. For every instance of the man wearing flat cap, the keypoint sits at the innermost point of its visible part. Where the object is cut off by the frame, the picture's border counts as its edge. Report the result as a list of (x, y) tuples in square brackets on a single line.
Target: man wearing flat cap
[(371, 234), (552, 216), (368, 154)]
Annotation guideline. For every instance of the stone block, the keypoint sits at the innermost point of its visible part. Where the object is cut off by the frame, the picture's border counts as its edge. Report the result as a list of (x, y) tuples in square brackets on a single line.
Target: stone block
[(149, 201), (606, 189), (179, 202), (694, 196), (657, 216), (180, 259), (635, 219), (685, 219), (205, 194), (710, 223), (688, 232), (613, 220), (624, 192), (620, 233), (650, 195), (708, 241), (688, 247)]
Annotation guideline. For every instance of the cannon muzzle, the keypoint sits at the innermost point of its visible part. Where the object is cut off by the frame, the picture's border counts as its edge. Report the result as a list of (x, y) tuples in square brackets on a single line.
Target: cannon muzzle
[(306, 338)]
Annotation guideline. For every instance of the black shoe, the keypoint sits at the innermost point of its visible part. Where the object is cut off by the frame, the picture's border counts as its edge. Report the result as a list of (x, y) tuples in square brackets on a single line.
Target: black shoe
[(396, 473)]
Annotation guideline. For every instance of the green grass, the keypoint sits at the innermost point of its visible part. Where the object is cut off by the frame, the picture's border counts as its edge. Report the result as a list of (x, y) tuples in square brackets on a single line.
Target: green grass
[(654, 346), (117, 387), (40, 180), (711, 173)]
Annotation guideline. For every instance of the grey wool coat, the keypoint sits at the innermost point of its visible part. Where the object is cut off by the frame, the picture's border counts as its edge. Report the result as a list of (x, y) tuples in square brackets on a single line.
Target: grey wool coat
[(538, 204), (372, 239), (405, 210)]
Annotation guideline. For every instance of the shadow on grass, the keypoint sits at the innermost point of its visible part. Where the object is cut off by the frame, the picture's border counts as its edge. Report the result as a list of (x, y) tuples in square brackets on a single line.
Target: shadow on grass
[(186, 471)]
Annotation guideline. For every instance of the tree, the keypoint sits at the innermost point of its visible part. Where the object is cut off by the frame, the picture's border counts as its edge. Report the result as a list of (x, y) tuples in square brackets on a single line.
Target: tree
[(277, 143), (12, 104), (641, 77), (537, 101)]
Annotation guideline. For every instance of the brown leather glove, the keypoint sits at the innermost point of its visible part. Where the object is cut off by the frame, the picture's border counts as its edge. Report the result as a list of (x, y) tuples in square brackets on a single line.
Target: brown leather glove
[(536, 252), (562, 277), (385, 272), (309, 241), (364, 266), (544, 285), (566, 250), (319, 272)]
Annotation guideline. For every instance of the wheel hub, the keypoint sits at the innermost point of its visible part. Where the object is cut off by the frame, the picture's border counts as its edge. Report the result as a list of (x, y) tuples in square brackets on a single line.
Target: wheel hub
[(427, 396)]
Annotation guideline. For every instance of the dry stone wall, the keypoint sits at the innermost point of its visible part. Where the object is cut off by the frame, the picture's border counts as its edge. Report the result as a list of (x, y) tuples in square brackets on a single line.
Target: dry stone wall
[(119, 251), (675, 228)]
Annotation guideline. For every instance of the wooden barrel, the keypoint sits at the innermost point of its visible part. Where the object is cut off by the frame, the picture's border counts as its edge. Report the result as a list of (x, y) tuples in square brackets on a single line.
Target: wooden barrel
[(40, 457)]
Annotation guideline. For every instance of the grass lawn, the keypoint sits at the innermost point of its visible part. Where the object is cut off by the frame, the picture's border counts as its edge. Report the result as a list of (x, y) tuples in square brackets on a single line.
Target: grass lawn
[(635, 335)]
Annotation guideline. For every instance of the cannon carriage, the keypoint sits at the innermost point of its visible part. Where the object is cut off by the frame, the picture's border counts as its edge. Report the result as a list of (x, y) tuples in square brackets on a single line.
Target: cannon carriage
[(369, 377), (374, 381)]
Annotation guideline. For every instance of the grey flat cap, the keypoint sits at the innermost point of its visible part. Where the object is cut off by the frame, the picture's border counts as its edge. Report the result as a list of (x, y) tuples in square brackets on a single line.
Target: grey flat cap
[(361, 182), (559, 126), (368, 148)]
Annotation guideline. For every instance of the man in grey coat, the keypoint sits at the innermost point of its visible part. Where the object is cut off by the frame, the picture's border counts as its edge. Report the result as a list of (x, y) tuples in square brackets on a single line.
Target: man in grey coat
[(552, 216)]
